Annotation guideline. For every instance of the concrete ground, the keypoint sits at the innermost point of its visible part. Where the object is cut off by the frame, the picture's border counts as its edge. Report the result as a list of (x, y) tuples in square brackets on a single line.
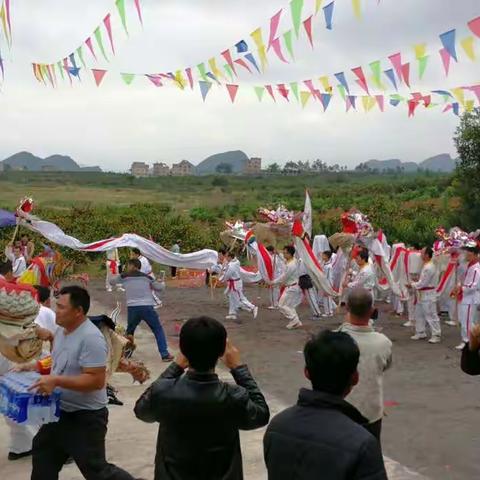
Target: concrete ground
[(431, 406)]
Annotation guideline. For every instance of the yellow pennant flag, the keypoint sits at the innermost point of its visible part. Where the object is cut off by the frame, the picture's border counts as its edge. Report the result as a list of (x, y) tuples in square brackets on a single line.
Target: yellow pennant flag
[(318, 5), (304, 98), (215, 70), (420, 50), (180, 80), (373, 102), (3, 17), (262, 53), (357, 8), (470, 105), (258, 38), (325, 84), (368, 102), (459, 94), (468, 44)]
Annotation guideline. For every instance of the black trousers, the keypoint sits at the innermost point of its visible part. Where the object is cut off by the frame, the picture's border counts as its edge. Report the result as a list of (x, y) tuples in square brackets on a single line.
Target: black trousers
[(173, 271), (80, 435)]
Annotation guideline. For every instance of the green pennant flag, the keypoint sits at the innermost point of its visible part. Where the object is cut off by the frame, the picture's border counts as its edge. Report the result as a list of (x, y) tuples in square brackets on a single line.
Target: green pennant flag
[(376, 68), (229, 71), (422, 66), (294, 88), (60, 69), (296, 7), (259, 92), (287, 37), (98, 37), (396, 96), (80, 55), (202, 71), (121, 11), (342, 91), (128, 77)]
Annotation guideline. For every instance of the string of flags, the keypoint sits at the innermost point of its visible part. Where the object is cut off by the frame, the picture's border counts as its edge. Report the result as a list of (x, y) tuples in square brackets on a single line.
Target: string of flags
[(250, 56), (6, 28)]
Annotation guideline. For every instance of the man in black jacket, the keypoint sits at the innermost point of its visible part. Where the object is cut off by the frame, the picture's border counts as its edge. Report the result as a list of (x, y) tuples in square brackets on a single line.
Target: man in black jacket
[(471, 353), (323, 436), (199, 415)]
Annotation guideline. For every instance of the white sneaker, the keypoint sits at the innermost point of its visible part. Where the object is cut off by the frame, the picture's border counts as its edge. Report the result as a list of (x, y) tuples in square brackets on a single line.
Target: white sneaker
[(294, 324), (408, 324), (272, 307), (158, 305), (255, 312), (109, 290), (461, 346), (120, 289), (452, 323), (419, 336), (231, 317), (435, 339)]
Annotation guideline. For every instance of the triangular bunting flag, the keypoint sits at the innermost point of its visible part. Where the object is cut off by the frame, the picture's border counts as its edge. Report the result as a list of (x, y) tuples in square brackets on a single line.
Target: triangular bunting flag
[(262, 52), (469, 105), (325, 99), (406, 74), (296, 7), (283, 90), (420, 50), (72, 60), (318, 5), (98, 38), (229, 71), (270, 91), (357, 8), (213, 67), (412, 106), (121, 12), (251, 59), (459, 95), (7, 13), (342, 91), (422, 66), (287, 37), (202, 71), (391, 76), (351, 102), (278, 50), (427, 100), (328, 12), (307, 24), (232, 91), (314, 91), (213, 77), (204, 88), (241, 46), (155, 79), (259, 91), (380, 102), (304, 98), (343, 81), (396, 61), (75, 71), (128, 77), (448, 42), (98, 75), (476, 90), (52, 75), (258, 38), (243, 64), (228, 58), (67, 69), (188, 71), (445, 60), (139, 11), (3, 18), (365, 103), (362, 81), (294, 89), (474, 26), (88, 43), (468, 45), (108, 27), (80, 56), (456, 108), (274, 22), (60, 69), (376, 68)]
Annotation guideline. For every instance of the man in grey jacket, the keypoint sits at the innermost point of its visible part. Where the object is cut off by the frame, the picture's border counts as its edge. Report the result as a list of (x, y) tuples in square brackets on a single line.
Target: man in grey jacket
[(139, 289)]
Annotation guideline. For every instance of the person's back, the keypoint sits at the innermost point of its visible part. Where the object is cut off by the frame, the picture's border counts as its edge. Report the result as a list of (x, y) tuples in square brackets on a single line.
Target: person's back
[(199, 415), (323, 436)]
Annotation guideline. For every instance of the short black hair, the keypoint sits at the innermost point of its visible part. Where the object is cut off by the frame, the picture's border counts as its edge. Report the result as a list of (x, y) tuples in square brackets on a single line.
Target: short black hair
[(271, 249), (230, 254), (136, 251), (135, 262), (222, 251), (359, 302), (43, 293), (429, 252), (203, 341), (5, 267), (327, 253), (79, 297), (331, 359), (290, 249), (363, 254)]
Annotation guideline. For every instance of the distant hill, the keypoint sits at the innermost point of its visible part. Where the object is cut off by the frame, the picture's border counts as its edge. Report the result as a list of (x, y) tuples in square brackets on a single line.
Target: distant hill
[(439, 163), (236, 159), (32, 163)]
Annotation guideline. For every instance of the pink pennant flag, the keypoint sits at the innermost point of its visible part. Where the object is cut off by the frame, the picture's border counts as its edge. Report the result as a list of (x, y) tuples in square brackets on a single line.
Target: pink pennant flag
[(476, 90), (108, 26), (283, 91), (98, 75), (270, 91), (188, 71), (278, 50), (446, 57), (362, 81), (67, 69), (243, 64), (396, 60), (314, 91), (412, 106), (406, 74), (427, 100), (417, 96), (232, 91), (88, 43), (155, 79), (380, 102), (7, 14), (447, 108), (139, 11), (274, 22), (474, 26), (307, 24), (228, 57)]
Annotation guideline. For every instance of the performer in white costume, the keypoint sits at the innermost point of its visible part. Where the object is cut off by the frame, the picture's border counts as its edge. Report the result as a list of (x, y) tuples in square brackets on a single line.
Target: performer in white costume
[(426, 308), (278, 268), (329, 305), (234, 289), (112, 268), (365, 278)]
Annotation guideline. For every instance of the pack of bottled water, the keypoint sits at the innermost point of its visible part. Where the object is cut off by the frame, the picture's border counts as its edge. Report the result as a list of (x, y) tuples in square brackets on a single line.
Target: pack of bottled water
[(23, 406)]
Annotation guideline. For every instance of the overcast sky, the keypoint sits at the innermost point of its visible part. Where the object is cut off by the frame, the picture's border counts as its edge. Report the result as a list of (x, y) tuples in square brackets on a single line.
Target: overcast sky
[(115, 124)]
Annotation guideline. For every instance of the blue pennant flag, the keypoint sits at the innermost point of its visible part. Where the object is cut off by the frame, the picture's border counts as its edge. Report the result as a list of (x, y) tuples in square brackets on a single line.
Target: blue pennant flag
[(391, 76), (328, 12), (448, 42), (325, 97), (241, 46), (251, 59), (456, 108), (75, 71), (395, 102), (204, 88), (341, 78), (72, 59)]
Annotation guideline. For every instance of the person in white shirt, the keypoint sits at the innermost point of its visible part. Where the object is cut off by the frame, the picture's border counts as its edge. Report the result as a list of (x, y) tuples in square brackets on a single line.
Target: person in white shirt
[(467, 293), (278, 269), (291, 297), (375, 358), (46, 316), (19, 264), (365, 278), (329, 305), (234, 289), (426, 308)]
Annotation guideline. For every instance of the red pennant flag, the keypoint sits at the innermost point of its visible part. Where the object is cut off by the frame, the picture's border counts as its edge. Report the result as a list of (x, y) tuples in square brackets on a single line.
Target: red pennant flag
[(362, 81), (380, 102), (417, 96), (270, 91), (228, 57), (406, 74), (98, 75), (427, 100), (243, 64), (278, 50), (474, 26), (232, 91), (274, 22), (412, 106), (139, 11), (396, 60), (283, 91), (446, 57), (308, 28), (108, 26), (315, 92), (88, 42), (188, 71)]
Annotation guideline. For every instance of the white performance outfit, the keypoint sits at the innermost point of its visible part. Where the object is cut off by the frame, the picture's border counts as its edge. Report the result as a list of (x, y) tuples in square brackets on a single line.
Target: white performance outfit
[(19, 264), (112, 268), (234, 291), (278, 269), (311, 294), (469, 299), (329, 305), (365, 278), (426, 308), (291, 297)]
